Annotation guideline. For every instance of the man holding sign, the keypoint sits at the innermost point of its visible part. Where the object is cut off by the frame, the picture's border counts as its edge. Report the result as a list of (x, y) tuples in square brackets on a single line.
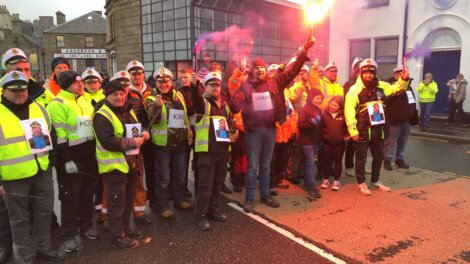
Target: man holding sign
[(170, 135), (262, 102), (77, 170), (211, 146), (24, 174)]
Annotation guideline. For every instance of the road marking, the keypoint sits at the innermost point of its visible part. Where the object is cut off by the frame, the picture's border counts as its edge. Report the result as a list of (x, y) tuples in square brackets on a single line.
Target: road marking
[(449, 173), (289, 235), (432, 139)]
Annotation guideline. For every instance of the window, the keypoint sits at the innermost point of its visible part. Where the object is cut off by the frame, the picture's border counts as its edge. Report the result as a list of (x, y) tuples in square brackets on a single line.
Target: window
[(59, 41), (89, 63), (386, 56), (88, 41), (375, 3), (358, 48), (33, 60), (111, 26)]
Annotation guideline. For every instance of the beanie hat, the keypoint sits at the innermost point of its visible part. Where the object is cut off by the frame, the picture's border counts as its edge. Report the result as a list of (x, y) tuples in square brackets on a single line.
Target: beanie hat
[(312, 93), (258, 62), (339, 100), (67, 78), (113, 86), (202, 73), (59, 60)]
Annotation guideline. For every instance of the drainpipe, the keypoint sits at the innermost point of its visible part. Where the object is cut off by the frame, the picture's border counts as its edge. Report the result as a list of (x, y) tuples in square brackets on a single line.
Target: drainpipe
[(192, 25), (405, 28)]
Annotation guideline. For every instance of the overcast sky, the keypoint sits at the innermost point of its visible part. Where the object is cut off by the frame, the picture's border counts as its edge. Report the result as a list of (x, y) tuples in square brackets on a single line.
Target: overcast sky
[(32, 9)]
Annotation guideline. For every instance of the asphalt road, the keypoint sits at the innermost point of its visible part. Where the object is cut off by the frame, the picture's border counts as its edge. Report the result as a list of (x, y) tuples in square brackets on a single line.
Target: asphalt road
[(438, 155), (239, 240)]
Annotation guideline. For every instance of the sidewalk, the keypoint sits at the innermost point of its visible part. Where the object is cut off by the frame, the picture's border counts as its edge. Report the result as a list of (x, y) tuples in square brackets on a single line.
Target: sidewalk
[(424, 219), (440, 129)]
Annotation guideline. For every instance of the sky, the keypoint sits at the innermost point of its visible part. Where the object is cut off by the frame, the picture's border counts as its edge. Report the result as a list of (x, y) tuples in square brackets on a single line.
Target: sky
[(32, 9)]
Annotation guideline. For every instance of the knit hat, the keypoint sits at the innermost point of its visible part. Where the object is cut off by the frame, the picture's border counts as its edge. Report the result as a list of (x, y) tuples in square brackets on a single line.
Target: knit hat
[(339, 100), (202, 73), (258, 62), (113, 86), (59, 60), (312, 93), (67, 78)]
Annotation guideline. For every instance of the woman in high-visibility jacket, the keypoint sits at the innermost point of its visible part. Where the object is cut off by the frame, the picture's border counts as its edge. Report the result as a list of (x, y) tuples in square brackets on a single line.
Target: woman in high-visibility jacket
[(118, 141), (427, 90)]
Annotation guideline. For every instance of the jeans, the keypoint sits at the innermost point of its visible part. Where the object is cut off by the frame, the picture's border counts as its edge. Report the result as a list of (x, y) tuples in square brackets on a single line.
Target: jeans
[(309, 153), (166, 159), (377, 150), (19, 210), (425, 116), (396, 137), (259, 151), (5, 230)]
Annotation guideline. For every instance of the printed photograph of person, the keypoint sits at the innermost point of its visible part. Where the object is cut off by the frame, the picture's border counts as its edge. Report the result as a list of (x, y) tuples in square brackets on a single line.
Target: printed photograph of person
[(376, 114), (221, 130), (135, 132), (38, 140)]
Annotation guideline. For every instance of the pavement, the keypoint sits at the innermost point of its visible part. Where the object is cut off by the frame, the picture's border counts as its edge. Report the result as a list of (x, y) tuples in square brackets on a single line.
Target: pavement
[(441, 129)]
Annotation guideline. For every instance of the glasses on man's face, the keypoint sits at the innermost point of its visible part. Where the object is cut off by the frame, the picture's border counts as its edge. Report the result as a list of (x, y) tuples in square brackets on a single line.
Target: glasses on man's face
[(214, 85), (163, 79), (137, 73), (23, 70)]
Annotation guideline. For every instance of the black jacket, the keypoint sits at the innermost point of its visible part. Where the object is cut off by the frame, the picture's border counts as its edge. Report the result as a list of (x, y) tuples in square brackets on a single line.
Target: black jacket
[(398, 109)]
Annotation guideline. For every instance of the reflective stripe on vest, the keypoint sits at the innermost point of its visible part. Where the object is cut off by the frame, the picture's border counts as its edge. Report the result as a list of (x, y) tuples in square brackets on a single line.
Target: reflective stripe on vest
[(201, 143), (16, 160), (111, 160), (80, 107), (159, 131)]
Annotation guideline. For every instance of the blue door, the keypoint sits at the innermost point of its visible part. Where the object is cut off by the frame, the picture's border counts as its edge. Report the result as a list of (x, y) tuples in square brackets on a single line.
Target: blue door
[(444, 66)]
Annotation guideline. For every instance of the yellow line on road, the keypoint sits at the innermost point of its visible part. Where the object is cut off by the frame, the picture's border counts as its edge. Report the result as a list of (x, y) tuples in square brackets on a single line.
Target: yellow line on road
[(433, 139), (449, 173)]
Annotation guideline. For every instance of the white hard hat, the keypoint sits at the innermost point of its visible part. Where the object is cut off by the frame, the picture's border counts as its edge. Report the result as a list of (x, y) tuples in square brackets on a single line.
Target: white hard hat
[(210, 76), (368, 65), (91, 73), (134, 64), (13, 55), (14, 77), (162, 71), (121, 74)]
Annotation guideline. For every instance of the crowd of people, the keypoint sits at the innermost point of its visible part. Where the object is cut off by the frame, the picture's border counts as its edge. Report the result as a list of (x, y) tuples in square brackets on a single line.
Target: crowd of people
[(122, 144)]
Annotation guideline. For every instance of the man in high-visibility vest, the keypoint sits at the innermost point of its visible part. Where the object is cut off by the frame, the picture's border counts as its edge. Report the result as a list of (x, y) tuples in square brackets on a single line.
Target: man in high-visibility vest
[(117, 151), (15, 60), (212, 147), (77, 170), (58, 65), (366, 92), (25, 174), (170, 134), (329, 85)]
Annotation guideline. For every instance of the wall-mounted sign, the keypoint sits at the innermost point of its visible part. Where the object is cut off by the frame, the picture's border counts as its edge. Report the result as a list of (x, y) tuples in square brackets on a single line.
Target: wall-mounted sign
[(81, 55), (83, 51)]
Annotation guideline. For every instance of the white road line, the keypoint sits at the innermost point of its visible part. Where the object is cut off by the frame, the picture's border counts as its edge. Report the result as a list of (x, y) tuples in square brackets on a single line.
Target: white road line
[(289, 235)]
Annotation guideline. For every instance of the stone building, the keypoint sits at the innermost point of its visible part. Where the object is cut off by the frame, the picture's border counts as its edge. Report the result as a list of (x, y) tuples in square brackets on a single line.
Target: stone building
[(15, 32), (82, 41)]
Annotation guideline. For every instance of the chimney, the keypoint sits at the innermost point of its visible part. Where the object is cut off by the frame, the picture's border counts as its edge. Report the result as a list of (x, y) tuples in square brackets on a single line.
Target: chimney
[(99, 13), (60, 18)]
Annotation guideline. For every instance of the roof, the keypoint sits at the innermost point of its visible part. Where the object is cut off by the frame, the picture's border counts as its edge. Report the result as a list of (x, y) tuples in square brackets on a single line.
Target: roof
[(82, 25)]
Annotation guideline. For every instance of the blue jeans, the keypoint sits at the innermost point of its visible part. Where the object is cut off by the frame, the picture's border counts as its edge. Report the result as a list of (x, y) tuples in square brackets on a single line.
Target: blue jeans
[(167, 158), (309, 153), (396, 136), (259, 151), (425, 114)]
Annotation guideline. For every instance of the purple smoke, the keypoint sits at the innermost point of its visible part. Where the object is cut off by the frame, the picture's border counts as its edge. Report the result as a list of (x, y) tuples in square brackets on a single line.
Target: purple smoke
[(419, 51)]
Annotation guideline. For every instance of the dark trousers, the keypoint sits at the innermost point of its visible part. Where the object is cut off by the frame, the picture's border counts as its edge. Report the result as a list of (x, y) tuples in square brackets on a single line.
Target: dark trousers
[(5, 230), (332, 160), (459, 108), (149, 167), (349, 154), (19, 212), (76, 196), (120, 190), (298, 161), (279, 162), (238, 161), (212, 172), (377, 150)]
